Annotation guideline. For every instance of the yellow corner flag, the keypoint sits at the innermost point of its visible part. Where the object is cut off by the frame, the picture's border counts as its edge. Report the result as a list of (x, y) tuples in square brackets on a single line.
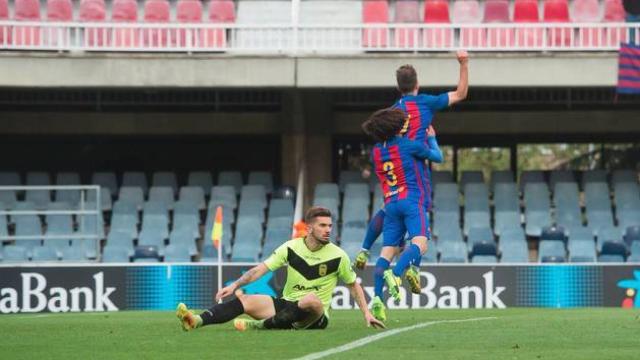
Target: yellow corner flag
[(216, 233)]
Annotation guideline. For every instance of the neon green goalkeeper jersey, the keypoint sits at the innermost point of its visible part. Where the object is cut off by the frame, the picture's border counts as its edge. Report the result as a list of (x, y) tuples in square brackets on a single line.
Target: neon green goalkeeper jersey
[(311, 271)]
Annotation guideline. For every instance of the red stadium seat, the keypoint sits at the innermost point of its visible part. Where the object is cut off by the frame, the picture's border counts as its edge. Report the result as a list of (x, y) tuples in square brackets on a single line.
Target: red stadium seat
[(557, 11), (437, 12), (588, 11), (125, 11), (26, 10), (94, 11), (614, 12), (5, 31), (497, 11), (375, 12), (58, 10), (156, 11), (188, 11), (220, 11), (468, 12), (526, 11), (407, 11)]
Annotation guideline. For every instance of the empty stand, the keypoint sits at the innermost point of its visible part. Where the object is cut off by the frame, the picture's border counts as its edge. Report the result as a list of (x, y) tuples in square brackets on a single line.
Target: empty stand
[(497, 12), (557, 11), (157, 12), (94, 11), (375, 12), (125, 11), (408, 12), (437, 12), (469, 12)]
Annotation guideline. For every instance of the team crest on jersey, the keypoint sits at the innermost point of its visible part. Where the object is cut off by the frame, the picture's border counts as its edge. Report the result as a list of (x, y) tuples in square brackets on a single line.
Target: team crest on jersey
[(322, 269)]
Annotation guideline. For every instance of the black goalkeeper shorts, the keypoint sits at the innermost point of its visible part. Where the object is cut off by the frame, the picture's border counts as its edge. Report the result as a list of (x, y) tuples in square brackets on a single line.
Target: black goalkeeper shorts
[(308, 324)]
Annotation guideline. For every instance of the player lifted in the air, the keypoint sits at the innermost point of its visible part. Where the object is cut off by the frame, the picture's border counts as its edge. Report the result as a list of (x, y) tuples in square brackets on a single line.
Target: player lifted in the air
[(314, 266), (399, 164), (419, 110)]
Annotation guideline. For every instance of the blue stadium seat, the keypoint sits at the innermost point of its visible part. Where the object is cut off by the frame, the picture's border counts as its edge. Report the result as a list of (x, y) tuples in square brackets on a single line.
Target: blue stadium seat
[(186, 223), (476, 197), (71, 197), (352, 235), (551, 249), (185, 238), (40, 198), (255, 194), (506, 197), (513, 234), (506, 220), (8, 197), (194, 195), (594, 176), (430, 257), (264, 178), (632, 234), (155, 208), (471, 177), (91, 224), (329, 203), (478, 219), (125, 223), (210, 253), (224, 195), (582, 251), (105, 199), (514, 252), (484, 259), (151, 238), (501, 177), (202, 179), (452, 252), (4, 230), (355, 213), (352, 249), (165, 179), (250, 209), (146, 253), (133, 195), (445, 192), (90, 248), (162, 194), (442, 220), (452, 233), (627, 218), (614, 247), (349, 177), (553, 259), (44, 253), (116, 253), (357, 192), (567, 203), (73, 254), (10, 178), (612, 234), (120, 239), (231, 178), (596, 197), (581, 234), (531, 177), (280, 208), (480, 234), (107, 180), (285, 192), (536, 197), (135, 179), (535, 221), (484, 248), (244, 252), (599, 219), (176, 253), (557, 233), (561, 177), (14, 254), (611, 259), (158, 224), (327, 190), (28, 225), (442, 176), (624, 176), (627, 196)]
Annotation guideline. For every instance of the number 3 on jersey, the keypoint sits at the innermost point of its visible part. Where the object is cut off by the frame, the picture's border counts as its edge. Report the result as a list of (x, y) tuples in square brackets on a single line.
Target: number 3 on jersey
[(392, 179)]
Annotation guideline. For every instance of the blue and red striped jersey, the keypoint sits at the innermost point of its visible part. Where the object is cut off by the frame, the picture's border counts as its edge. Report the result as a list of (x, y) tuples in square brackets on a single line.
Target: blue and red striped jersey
[(399, 165), (420, 110)]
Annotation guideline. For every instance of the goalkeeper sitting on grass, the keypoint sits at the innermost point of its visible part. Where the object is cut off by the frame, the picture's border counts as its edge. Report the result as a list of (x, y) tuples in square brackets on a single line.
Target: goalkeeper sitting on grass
[(314, 266)]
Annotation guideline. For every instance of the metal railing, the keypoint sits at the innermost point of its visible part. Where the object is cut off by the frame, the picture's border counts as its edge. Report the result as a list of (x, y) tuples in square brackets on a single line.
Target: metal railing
[(82, 208), (291, 39)]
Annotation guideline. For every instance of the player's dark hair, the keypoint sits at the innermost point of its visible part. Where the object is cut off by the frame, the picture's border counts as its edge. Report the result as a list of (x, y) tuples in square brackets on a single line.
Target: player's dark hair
[(314, 212), (384, 124), (407, 78)]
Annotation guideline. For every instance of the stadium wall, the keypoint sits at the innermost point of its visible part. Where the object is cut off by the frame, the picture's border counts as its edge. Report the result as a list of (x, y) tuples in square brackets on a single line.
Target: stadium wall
[(366, 70), (160, 287)]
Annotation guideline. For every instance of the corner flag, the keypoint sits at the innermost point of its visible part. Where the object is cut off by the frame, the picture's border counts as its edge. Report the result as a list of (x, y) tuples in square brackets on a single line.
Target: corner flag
[(216, 233)]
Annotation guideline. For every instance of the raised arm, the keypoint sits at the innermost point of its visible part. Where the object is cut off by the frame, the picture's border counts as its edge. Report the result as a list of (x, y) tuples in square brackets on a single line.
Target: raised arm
[(358, 296), (463, 82), (436, 153), (248, 277)]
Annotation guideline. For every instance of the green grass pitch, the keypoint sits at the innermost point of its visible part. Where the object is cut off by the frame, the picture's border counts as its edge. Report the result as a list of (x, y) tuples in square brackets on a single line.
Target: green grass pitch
[(595, 333)]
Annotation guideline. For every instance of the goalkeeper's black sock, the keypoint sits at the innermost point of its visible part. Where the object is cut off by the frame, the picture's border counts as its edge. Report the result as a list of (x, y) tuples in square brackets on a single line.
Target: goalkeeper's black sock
[(286, 317), (222, 313)]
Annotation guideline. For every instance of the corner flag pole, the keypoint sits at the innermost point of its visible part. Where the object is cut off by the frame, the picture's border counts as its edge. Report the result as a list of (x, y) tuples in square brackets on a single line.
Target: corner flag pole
[(216, 238)]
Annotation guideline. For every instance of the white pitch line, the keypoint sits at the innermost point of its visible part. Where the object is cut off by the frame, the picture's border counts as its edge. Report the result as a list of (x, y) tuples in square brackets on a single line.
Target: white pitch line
[(382, 335)]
